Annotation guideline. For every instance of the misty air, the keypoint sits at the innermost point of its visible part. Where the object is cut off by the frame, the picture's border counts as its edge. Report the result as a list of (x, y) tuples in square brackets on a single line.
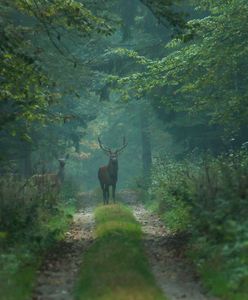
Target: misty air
[(123, 150)]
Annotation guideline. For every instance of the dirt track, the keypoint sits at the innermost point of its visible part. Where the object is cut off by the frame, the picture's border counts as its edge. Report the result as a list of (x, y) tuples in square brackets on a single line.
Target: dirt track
[(59, 271), (174, 275)]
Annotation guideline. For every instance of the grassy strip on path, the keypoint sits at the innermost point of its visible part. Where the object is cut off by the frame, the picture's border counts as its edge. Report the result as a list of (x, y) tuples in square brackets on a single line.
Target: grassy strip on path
[(115, 267)]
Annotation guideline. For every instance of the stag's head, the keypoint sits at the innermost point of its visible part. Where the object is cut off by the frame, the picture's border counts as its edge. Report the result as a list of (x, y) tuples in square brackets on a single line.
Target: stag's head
[(113, 154)]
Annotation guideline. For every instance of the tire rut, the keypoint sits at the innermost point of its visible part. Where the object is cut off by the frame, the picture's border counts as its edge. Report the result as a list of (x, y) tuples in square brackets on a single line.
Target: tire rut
[(59, 271), (173, 274)]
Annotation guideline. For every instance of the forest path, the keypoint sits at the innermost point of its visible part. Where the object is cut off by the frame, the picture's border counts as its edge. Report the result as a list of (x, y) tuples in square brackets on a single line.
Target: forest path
[(173, 274), (59, 271)]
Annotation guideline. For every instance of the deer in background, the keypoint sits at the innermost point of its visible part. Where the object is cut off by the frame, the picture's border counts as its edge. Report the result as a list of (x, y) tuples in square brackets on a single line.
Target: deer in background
[(108, 175), (50, 181)]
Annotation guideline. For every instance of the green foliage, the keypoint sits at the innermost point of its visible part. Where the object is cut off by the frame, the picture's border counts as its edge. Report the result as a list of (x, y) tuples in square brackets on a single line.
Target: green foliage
[(17, 282), (56, 74), (170, 189), (69, 191), (18, 265), (115, 266), (28, 87), (69, 14), (31, 216), (209, 199), (167, 12), (220, 224), (205, 74), (30, 223), (24, 93)]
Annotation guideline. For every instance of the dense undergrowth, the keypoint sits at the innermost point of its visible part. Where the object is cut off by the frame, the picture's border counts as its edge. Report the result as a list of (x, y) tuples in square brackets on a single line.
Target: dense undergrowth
[(209, 200), (115, 267), (30, 223)]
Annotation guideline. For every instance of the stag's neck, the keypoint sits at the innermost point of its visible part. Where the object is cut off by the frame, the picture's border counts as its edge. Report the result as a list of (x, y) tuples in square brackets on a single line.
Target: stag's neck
[(113, 169)]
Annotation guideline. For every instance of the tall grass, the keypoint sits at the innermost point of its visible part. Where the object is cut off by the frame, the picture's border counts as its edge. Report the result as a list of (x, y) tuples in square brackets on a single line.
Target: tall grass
[(115, 267)]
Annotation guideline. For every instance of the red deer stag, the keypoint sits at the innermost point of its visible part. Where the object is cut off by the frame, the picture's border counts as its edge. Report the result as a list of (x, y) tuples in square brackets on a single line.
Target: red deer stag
[(108, 175), (50, 181)]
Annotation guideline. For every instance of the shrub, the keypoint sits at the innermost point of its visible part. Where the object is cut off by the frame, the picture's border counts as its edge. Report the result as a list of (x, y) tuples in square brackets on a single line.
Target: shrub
[(209, 199), (170, 189), (30, 222)]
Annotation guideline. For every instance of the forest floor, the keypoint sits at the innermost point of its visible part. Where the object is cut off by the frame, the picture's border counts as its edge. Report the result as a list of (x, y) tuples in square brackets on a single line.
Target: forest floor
[(175, 276), (59, 272)]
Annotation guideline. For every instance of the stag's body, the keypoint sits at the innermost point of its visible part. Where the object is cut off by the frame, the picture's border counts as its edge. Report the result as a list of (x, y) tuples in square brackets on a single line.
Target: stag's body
[(108, 175)]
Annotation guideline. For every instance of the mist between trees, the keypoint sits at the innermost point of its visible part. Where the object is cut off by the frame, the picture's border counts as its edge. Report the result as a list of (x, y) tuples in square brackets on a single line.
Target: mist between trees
[(170, 76)]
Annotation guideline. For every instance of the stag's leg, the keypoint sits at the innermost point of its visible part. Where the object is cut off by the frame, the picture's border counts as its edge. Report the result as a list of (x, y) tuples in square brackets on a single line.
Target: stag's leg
[(113, 191), (104, 196), (103, 193), (107, 193)]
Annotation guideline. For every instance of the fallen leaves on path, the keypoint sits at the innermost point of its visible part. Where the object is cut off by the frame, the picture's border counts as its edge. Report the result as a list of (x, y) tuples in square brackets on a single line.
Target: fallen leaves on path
[(174, 274), (59, 271)]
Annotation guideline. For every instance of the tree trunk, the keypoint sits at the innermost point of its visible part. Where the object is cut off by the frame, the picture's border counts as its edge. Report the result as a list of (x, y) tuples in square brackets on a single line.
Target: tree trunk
[(146, 143), (27, 165)]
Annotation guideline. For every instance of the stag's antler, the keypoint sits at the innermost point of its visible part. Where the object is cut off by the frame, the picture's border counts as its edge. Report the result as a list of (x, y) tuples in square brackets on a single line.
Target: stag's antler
[(108, 150), (123, 146)]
